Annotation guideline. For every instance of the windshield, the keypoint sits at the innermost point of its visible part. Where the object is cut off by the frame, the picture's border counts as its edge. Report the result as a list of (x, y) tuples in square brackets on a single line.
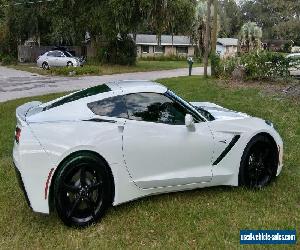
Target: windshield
[(208, 116), (68, 54)]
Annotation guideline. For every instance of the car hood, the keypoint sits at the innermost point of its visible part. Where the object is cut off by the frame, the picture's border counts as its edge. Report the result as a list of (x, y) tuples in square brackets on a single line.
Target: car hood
[(218, 112)]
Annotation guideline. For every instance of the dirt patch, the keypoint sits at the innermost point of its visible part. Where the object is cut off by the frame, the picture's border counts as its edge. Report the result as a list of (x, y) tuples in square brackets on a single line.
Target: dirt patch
[(290, 89), (293, 90)]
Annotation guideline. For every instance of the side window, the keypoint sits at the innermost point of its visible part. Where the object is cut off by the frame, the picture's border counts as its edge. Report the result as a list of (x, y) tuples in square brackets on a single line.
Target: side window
[(112, 107), (57, 54), (50, 53), (153, 107)]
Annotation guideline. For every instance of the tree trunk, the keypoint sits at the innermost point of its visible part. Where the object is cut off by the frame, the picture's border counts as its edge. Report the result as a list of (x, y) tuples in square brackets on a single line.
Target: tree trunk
[(207, 36), (214, 34)]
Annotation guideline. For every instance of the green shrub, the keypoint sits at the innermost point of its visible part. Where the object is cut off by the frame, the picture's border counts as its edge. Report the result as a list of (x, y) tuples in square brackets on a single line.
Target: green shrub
[(257, 66), (8, 60), (287, 47), (224, 67), (163, 58), (230, 64), (85, 70), (216, 66), (265, 65)]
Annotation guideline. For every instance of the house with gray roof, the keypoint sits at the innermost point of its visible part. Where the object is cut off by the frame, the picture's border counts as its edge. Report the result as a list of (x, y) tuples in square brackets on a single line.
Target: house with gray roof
[(227, 47), (148, 45)]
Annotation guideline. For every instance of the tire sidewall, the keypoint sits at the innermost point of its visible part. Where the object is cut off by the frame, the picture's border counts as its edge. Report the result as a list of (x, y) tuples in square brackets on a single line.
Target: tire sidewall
[(45, 66), (242, 177), (70, 165)]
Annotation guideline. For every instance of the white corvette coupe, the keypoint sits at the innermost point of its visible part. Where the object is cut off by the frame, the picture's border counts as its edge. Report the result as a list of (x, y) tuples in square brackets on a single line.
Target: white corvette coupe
[(120, 141)]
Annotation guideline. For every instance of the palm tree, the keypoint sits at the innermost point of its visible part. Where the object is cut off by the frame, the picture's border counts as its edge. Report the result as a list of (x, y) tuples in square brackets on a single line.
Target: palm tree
[(251, 35)]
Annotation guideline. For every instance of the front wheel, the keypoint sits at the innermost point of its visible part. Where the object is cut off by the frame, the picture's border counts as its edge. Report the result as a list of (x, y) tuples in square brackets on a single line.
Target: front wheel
[(82, 190), (69, 64), (45, 66), (259, 163)]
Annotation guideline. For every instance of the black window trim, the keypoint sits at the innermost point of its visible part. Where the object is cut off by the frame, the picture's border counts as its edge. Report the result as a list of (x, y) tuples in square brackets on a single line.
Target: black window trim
[(81, 94), (195, 113), (167, 94), (198, 117)]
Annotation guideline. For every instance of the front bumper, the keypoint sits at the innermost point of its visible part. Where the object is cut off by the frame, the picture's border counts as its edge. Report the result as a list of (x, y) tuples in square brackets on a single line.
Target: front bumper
[(21, 185)]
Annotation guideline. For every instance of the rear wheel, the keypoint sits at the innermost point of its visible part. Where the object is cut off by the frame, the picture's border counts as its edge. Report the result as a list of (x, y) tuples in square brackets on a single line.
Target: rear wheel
[(259, 163), (82, 190)]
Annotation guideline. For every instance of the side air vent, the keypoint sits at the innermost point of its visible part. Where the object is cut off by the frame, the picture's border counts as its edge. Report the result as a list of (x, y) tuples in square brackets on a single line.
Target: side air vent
[(227, 149)]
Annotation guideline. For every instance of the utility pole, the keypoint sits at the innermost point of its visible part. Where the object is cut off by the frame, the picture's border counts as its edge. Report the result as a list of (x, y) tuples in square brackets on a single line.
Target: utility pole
[(207, 36)]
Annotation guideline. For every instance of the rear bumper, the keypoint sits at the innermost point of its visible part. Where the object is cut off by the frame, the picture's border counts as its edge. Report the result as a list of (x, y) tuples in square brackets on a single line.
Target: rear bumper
[(21, 185)]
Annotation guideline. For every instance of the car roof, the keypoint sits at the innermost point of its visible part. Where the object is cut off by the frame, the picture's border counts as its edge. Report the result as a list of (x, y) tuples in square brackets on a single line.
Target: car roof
[(54, 50), (135, 86), (106, 90), (293, 54), (60, 108)]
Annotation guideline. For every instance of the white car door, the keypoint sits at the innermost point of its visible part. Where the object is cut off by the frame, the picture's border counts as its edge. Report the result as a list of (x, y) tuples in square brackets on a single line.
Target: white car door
[(57, 59), (51, 58), (159, 149), (61, 59)]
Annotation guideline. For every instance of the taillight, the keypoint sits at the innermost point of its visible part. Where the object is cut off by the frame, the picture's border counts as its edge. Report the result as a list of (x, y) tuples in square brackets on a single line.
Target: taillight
[(17, 134)]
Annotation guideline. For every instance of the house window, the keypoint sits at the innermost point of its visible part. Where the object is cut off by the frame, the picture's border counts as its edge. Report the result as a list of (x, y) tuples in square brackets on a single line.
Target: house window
[(145, 49), (182, 50), (159, 49)]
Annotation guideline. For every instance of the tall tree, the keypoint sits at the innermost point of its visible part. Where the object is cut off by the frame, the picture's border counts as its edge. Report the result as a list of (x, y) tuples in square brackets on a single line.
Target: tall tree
[(214, 33), (207, 37), (65, 22), (278, 19), (199, 27), (231, 18)]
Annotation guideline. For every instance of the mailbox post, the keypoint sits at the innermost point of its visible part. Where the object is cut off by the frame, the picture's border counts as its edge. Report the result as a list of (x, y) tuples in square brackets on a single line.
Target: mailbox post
[(190, 62)]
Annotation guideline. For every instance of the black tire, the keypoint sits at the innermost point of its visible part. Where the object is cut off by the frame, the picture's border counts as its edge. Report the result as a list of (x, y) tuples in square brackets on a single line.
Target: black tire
[(259, 163), (45, 65), (69, 64), (82, 190)]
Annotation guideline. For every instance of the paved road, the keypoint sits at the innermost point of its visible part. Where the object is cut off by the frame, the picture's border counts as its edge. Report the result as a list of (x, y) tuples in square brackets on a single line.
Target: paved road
[(16, 84)]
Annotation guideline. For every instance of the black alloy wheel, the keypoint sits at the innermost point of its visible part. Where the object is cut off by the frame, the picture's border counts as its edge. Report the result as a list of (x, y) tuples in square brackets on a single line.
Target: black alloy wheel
[(259, 163), (82, 190)]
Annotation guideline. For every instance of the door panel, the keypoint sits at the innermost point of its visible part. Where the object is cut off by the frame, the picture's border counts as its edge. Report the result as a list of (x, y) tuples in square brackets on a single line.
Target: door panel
[(160, 155), (51, 61)]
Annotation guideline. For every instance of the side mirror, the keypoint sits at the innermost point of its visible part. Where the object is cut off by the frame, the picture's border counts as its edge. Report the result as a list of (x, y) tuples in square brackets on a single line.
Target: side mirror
[(189, 121)]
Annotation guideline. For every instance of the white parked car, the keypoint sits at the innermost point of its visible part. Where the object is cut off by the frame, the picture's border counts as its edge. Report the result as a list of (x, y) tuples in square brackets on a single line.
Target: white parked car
[(294, 64), (57, 58), (119, 141)]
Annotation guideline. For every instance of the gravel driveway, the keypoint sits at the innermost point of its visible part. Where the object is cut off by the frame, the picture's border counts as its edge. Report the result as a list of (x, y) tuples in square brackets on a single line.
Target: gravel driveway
[(15, 84)]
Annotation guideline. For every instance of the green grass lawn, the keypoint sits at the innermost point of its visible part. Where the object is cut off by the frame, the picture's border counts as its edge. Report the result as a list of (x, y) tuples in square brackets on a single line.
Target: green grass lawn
[(92, 69), (203, 218)]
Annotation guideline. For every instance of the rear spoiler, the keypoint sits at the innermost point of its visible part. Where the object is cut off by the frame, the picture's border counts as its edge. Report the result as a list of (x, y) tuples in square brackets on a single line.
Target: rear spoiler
[(23, 110)]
